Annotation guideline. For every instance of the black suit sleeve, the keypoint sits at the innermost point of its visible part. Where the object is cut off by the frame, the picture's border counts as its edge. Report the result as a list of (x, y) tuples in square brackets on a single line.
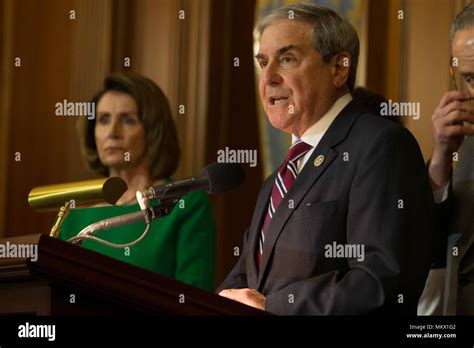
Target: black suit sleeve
[(443, 213), (442, 222), (390, 213), (237, 278)]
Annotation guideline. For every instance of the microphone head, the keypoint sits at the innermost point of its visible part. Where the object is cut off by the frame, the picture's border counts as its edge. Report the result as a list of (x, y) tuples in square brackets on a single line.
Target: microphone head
[(224, 177)]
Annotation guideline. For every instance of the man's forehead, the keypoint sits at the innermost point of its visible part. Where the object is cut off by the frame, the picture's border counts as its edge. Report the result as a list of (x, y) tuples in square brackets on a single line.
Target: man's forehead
[(287, 28), (285, 33), (464, 40)]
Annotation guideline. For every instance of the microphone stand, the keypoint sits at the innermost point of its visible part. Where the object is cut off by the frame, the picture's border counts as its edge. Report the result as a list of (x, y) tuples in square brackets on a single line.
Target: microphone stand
[(164, 208)]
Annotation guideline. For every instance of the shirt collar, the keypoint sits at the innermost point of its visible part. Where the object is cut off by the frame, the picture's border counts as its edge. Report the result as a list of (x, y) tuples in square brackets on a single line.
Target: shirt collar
[(313, 134)]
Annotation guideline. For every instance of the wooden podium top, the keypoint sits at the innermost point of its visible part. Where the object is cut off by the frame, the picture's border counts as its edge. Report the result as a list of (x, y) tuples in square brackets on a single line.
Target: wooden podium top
[(70, 266)]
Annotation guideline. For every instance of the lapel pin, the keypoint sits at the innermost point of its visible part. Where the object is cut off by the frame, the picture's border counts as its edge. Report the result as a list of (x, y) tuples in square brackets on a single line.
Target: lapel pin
[(319, 160)]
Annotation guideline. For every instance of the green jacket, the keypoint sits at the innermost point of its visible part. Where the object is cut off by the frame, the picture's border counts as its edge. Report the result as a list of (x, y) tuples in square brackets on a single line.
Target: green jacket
[(180, 245)]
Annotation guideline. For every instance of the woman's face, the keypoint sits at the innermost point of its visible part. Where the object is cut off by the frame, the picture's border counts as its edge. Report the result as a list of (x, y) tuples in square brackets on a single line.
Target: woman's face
[(119, 133)]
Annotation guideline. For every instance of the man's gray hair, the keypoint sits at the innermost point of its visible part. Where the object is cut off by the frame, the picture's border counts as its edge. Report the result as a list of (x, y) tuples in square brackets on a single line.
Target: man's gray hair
[(331, 33), (464, 20)]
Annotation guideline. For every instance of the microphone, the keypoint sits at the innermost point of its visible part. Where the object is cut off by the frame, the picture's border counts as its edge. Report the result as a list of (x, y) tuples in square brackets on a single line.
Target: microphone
[(214, 178)]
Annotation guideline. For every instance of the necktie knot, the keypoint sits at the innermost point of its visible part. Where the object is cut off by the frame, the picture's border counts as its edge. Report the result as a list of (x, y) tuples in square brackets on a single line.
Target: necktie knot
[(297, 150)]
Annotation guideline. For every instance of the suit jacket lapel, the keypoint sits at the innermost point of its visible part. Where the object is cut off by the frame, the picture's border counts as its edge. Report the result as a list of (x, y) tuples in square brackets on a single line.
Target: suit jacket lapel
[(336, 133)]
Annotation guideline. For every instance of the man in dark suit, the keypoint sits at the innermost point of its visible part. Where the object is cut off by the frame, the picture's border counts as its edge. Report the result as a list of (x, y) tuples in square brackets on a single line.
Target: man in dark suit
[(450, 286), (343, 226)]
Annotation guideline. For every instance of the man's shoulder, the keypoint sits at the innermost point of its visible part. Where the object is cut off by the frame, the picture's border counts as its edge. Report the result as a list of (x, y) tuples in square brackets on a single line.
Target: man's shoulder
[(377, 124), (370, 128)]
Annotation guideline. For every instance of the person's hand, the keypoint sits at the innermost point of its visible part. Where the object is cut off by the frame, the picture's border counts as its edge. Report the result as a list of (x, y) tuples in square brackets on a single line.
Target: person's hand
[(250, 297), (448, 132)]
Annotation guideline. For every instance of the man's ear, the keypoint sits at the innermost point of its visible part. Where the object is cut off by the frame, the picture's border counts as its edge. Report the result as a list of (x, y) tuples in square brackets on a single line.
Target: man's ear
[(341, 65)]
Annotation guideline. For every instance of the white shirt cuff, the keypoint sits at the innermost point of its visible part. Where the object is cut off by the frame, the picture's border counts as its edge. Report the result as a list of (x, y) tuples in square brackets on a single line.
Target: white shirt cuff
[(441, 194)]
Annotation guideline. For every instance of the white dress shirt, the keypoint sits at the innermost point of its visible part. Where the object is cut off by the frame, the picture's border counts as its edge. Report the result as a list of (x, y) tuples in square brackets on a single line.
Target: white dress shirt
[(314, 134)]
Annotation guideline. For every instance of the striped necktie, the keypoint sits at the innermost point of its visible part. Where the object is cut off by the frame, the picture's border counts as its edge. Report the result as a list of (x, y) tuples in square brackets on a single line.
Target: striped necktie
[(283, 182)]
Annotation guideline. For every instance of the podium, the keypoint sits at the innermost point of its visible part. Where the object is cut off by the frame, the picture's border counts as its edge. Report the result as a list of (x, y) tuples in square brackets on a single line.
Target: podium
[(67, 279)]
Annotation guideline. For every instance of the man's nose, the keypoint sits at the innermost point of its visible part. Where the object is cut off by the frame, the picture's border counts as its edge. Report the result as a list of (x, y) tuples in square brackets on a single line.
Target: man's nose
[(271, 75)]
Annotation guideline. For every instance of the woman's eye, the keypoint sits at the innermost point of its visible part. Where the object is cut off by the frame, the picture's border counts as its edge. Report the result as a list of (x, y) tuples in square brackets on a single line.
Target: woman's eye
[(129, 120), (103, 119)]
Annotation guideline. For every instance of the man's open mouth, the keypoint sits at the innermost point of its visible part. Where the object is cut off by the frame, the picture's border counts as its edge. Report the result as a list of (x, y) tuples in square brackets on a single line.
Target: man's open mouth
[(277, 100)]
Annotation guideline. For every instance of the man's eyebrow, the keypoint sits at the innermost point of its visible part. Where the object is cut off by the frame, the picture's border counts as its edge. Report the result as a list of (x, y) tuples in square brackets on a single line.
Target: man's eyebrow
[(280, 51), (287, 48)]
